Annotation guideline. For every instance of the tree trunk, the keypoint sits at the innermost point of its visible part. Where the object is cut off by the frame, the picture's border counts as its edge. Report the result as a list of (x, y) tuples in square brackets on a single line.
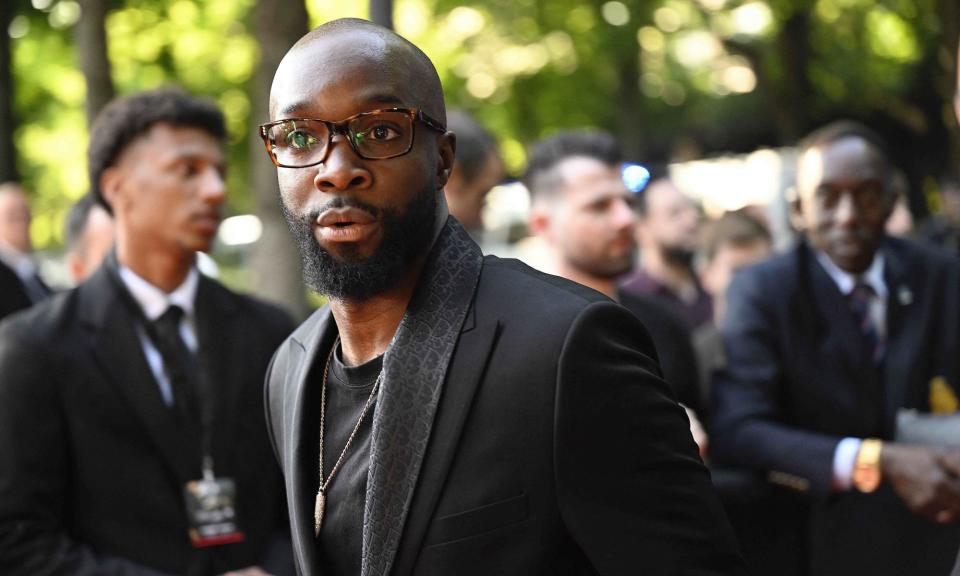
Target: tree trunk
[(950, 20), (91, 39), (630, 104), (381, 12), (796, 94), (275, 263), (8, 154)]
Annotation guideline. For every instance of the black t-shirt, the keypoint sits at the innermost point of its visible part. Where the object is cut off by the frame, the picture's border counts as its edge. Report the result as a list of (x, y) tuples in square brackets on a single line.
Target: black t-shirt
[(340, 544)]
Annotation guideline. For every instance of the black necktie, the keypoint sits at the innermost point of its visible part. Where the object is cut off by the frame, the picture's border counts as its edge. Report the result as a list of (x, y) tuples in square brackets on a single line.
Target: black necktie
[(179, 363), (860, 299)]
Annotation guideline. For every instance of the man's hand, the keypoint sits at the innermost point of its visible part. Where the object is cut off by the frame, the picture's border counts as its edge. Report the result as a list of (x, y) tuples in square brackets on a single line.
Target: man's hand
[(249, 571), (698, 432), (927, 479)]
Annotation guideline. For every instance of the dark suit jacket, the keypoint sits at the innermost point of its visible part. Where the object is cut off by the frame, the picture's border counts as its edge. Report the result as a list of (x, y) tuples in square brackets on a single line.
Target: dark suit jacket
[(556, 447), (674, 347), (92, 463), (798, 380), (13, 297)]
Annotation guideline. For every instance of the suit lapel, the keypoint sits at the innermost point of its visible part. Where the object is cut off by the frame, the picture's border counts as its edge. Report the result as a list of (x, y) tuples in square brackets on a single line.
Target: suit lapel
[(905, 327), (466, 371), (414, 369), (116, 347), (299, 460), (220, 354)]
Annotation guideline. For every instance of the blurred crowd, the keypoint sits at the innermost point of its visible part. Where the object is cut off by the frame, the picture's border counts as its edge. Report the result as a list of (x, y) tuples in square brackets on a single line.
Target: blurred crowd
[(821, 382)]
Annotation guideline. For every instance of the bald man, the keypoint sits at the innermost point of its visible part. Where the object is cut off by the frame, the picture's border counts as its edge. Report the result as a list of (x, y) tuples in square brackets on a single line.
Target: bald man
[(449, 413), (20, 285), (90, 233)]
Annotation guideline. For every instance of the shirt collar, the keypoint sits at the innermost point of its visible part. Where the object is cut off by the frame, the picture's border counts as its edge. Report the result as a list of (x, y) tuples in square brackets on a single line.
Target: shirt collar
[(154, 301), (19, 262), (872, 277)]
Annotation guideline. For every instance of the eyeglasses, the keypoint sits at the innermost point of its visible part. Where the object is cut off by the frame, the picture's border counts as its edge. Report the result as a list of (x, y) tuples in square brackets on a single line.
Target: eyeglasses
[(374, 135)]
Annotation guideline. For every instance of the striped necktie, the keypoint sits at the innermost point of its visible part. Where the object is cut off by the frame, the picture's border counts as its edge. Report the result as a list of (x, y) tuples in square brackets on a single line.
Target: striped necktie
[(860, 298)]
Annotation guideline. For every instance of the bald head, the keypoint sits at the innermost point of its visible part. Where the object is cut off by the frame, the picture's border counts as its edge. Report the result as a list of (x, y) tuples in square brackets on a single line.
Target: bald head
[(337, 50), (14, 218)]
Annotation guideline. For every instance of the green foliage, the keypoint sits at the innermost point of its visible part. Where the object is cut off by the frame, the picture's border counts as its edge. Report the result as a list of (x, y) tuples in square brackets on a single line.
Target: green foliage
[(660, 73)]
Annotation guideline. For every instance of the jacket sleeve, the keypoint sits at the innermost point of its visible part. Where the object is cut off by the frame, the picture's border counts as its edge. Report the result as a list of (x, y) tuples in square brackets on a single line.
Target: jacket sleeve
[(34, 473), (750, 421), (631, 486)]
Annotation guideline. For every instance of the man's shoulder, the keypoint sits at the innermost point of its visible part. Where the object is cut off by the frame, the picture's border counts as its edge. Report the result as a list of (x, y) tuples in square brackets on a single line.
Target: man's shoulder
[(7, 273), (251, 309), (46, 322), (921, 254), (526, 286), (640, 282), (773, 277), (652, 311)]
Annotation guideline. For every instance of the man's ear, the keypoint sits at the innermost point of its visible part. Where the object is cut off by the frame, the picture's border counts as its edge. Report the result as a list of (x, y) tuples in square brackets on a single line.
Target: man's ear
[(111, 180), (796, 209), (446, 151), (539, 221)]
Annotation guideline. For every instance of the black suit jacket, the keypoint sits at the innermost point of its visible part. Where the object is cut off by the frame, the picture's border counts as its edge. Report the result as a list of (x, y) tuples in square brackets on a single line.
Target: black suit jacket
[(674, 347), (13, 296), (556, 448), (798, 380), (92, 463)]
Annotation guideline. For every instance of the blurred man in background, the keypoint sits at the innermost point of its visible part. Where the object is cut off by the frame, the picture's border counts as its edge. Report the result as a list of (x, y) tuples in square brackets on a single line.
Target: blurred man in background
[(669, 229), (585, 215), (20, 285), (734, 241), (132, 436), (90, 233), (943, 229), (477, 167), (825, 344)]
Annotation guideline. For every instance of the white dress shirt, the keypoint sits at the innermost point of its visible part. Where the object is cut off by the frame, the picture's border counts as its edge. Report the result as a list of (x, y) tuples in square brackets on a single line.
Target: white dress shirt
[(845, 455), (154, 302)]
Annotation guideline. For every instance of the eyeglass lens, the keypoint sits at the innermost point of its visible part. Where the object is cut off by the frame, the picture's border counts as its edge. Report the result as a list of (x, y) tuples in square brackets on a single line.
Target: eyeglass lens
[(372, 136)]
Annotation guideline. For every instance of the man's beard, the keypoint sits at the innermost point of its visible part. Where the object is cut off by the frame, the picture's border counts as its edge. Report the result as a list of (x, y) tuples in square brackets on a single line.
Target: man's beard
[(678, 255), (406, 237), (608, 268)]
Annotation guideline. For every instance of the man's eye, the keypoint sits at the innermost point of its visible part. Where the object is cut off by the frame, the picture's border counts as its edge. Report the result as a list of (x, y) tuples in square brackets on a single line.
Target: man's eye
[(379, 132), (300, 140)]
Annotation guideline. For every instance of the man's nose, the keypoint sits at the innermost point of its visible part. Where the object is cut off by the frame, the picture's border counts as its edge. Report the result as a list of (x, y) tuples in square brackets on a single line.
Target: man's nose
[(623, 215), (342, 169), (213, 187), (845, 212)]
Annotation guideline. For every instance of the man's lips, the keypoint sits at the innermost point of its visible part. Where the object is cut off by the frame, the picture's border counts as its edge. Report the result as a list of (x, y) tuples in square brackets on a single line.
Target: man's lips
[(343, 217), (345, 225), (208, 221)]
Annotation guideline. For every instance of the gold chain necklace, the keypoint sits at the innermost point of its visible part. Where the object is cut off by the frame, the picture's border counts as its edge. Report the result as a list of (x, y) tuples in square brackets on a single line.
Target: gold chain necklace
[(324, 485)]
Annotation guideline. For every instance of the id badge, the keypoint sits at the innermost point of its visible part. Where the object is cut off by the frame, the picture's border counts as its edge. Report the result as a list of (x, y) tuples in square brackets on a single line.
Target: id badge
[(211, 512)]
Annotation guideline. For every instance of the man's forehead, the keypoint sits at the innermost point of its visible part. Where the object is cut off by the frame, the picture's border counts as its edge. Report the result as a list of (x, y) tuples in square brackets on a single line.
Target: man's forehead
[(356, 71), (166, 141), (12, 196), (849, 157), (664, 194), (590, 179)]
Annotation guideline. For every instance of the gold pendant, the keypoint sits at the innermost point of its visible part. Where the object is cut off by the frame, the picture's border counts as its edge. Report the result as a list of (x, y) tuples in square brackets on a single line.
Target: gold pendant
[(318, 512)]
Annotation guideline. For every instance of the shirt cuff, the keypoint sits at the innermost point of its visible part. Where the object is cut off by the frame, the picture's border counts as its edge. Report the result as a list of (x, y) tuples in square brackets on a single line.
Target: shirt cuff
[(844, 459)]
